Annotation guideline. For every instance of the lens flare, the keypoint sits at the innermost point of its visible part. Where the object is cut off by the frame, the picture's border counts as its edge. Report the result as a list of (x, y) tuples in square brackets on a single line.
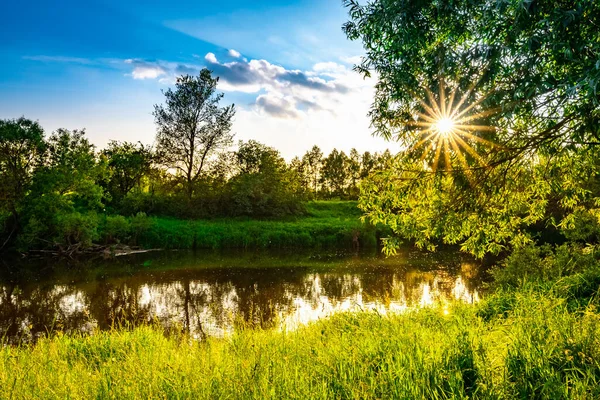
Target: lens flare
[(447, 130), (445, 126)]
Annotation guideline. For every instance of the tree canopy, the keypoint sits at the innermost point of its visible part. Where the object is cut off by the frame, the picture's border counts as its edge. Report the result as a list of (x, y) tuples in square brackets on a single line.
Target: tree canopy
[(531, 68), (496, 104)]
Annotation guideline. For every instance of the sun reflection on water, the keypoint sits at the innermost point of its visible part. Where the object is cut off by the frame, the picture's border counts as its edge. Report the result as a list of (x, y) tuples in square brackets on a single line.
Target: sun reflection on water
[(210, 304)]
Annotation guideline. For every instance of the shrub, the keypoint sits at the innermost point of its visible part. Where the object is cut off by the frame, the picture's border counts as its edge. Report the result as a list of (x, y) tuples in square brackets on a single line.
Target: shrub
[(544, 263), (76, 229), (116, 229)]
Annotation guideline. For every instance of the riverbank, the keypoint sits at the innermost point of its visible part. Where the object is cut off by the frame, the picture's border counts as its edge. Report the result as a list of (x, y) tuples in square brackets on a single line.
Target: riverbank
[(538, 341), (326, 224)]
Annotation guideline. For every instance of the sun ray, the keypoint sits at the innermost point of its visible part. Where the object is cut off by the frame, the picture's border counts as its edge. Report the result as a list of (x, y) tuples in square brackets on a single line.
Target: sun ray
[(426, 152), (448, 166), (461, 159), (436, 107), (477, 138), (438, 149), (443, 98), (485, 128), (425, 139)]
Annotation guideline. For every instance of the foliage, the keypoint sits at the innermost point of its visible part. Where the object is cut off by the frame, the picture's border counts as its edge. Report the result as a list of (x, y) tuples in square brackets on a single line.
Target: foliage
[(263, 186), (21, 152), (115, 229), (334, 174), (534, 63), (545, 264), (128, 164), (558, 193), (313, 160), (60, 210), (524, 76)]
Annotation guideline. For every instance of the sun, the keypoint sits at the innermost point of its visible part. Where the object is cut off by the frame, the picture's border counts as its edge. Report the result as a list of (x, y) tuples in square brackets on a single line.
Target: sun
[(446, 128)]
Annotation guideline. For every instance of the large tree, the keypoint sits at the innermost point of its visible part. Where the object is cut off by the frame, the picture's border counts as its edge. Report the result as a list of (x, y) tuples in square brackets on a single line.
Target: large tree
[(496, 103), (529, 69), (191, 126)]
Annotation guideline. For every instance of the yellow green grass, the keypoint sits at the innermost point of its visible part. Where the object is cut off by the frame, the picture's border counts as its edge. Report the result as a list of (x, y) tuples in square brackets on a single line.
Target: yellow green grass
[(530, 343)]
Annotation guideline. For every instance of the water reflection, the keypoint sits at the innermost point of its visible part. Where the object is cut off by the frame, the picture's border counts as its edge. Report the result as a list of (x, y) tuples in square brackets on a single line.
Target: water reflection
[(210, 296)]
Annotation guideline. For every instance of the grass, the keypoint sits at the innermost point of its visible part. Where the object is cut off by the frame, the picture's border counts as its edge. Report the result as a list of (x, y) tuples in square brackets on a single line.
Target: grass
[(327, 224), (528, 343)]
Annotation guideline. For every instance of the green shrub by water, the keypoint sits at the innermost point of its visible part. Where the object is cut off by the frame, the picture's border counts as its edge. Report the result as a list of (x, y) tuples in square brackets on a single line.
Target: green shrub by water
[(539, 347)]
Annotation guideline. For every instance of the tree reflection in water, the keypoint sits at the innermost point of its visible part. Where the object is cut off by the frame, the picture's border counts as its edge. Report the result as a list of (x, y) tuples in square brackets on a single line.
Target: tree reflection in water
[(209, 294)]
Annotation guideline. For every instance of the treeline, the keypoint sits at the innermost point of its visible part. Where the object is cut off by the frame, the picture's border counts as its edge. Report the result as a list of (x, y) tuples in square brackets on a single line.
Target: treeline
[(58, 191)]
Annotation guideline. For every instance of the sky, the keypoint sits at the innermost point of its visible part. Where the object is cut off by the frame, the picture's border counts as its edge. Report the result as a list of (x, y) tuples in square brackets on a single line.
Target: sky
[(100, 65)]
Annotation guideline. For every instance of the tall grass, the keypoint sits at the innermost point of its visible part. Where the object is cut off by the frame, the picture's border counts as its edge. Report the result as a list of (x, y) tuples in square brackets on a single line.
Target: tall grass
[(538, 347)]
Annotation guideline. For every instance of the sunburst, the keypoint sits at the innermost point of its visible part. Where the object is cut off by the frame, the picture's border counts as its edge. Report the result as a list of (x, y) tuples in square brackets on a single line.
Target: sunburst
[(447, 129)]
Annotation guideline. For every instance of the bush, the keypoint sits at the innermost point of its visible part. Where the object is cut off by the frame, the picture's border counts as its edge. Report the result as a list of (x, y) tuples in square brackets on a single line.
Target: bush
[(116, 229), (76, 229), (544, 263)]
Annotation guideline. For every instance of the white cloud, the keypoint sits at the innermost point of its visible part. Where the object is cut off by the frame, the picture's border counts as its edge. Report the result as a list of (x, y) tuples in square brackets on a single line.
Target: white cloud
[(145, 70), (329, 67), (292, 109), (211, 58), (233, 53)]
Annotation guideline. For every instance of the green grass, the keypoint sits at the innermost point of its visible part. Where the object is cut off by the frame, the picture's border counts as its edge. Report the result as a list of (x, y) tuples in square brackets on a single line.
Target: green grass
[(539, 346), (326, 225)]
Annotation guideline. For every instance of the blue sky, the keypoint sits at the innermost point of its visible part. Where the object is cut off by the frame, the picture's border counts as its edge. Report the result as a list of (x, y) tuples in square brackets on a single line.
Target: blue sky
[(102, 65)]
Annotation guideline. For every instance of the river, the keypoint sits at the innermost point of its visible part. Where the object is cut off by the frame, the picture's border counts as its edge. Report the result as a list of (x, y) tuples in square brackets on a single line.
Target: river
[(213, 293)]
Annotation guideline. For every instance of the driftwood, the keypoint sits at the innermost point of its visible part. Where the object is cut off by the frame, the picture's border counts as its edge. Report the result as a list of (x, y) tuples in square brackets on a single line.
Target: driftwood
[(107, 251)]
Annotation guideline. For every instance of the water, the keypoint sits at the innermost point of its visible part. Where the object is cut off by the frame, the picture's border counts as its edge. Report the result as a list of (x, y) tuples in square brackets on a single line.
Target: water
[(208, 293)]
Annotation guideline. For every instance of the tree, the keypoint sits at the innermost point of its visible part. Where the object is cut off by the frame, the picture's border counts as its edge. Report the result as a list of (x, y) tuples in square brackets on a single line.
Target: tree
[(334, 174), (254, 157), (523, 79), (65, 195), (313, 159), (353, 173), (128, 163), (263, 186), (301, 180), (529, 69), (21, 153), (191, 126), (367, 164)]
